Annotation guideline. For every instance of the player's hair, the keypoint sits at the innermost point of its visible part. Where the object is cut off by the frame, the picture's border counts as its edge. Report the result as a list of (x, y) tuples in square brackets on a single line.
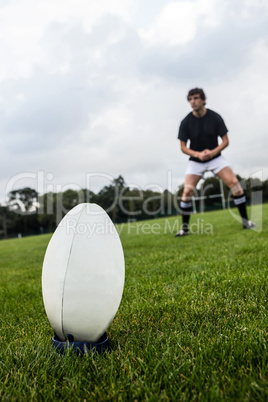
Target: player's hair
[(197, 91)]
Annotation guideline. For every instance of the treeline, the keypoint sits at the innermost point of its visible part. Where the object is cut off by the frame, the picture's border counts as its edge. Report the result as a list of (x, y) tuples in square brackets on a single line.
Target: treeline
[(29, 213)]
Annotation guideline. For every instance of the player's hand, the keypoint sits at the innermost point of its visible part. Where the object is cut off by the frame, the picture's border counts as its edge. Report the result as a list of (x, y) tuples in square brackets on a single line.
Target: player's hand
[(205, 155)]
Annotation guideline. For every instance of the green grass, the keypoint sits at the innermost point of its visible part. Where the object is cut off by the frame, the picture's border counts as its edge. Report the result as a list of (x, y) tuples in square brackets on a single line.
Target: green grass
[(192, 324)]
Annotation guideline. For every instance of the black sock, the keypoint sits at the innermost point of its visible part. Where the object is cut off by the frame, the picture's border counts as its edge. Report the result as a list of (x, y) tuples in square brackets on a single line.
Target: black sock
[(186, 209), (241, 203)]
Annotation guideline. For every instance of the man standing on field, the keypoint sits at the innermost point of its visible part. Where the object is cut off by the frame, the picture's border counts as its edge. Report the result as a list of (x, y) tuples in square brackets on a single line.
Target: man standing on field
[(201, 128)]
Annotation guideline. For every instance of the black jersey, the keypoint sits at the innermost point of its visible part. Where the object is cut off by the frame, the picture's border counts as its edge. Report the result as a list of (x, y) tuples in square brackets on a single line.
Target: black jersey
[(202, 132)]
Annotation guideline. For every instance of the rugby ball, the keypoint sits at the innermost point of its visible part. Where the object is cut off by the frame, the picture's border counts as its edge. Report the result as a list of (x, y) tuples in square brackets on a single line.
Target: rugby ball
[(83, 274)]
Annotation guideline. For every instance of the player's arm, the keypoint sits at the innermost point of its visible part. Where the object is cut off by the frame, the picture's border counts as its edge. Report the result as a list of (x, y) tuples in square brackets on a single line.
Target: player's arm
[(221, 147), (188, 151)]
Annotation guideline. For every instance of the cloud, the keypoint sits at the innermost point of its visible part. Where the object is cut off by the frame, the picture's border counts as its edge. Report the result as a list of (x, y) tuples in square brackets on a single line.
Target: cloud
[(59, 100), (179, 22), (24, 26), (101, 87), (218, 52), (67, 109)]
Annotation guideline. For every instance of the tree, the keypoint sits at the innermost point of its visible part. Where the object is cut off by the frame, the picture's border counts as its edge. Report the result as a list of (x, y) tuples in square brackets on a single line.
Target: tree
[(265, 190), (53, 206), (109, 198), (3, 219), (47, 211), (23, 201)]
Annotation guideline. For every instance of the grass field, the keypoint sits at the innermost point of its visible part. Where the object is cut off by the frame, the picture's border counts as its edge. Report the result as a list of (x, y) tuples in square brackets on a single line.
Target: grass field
[(192, 324)]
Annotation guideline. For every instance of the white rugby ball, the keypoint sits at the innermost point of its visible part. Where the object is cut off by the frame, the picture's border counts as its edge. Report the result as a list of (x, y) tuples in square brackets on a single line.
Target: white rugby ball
[(83, 274)]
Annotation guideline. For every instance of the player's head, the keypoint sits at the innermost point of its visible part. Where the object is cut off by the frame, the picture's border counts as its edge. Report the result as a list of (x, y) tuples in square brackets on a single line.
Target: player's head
[(197, 91)]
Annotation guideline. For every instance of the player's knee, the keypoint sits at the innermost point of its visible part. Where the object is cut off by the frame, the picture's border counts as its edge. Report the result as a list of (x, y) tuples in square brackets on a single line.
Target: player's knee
[(236, 182), (187, 193), (236, 187)]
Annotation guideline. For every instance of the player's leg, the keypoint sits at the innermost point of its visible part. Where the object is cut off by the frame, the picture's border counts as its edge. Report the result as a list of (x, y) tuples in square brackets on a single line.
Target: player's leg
[(229, 178), (190, 184)]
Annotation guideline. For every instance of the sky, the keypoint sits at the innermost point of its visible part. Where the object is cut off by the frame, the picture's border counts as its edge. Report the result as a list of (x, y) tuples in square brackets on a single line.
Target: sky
[(90, 90)]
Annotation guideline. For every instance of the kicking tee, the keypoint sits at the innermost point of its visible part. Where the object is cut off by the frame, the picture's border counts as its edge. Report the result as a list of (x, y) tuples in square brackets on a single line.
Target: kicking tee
[(202, 132)]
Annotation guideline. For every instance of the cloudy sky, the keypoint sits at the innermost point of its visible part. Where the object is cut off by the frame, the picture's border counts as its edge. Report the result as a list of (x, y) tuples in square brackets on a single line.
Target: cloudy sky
[(91, 89)]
